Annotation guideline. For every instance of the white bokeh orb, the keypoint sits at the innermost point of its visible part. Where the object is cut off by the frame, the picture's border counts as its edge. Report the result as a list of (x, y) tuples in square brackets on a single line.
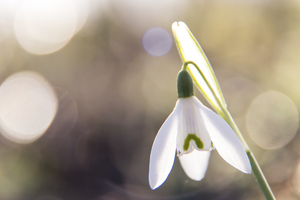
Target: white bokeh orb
[(83, 11), (272, 120), (8, 9), (157, 41), (28, 105), (45, 26)]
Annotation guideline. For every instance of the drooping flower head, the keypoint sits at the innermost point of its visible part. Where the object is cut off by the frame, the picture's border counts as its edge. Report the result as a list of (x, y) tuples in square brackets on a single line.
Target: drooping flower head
[(193, 131)]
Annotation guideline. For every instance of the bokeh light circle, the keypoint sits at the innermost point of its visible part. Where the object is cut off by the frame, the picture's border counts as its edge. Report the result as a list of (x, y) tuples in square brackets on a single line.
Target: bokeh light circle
[(83, 10), (44, 26), (66, 115), (28, 105), (272, 120), (157, 41), (8, 10)]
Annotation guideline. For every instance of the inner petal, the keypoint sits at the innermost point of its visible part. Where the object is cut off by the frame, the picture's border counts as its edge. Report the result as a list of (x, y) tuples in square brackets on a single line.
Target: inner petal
[(192, 133)]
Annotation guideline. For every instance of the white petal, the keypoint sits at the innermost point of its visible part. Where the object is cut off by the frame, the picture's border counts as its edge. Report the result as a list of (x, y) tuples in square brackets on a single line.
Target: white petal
[(191, 124), (224, 139), (163, 150), (195, 164)]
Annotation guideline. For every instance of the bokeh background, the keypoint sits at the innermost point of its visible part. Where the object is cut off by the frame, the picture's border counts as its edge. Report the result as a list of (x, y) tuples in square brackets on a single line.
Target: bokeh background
[(87, 84)]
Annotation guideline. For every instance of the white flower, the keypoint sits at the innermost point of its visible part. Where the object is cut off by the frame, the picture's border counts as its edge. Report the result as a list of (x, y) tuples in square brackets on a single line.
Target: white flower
[(194, 130)]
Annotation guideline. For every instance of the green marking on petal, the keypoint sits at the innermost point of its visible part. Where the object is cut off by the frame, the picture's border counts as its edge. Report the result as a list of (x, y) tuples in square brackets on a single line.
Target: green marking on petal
[(190, 137)]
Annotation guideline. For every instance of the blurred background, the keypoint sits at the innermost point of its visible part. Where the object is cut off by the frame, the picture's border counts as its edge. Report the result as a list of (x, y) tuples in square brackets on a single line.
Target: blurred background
[(86, 84)]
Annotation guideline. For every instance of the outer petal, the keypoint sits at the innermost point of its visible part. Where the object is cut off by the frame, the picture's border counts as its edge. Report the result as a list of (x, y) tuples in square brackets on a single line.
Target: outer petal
[(163, 150), (224, 139), (195, 164)]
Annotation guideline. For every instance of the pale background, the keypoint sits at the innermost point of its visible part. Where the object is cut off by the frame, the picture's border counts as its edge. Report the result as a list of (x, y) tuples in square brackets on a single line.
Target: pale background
[(113, 95)]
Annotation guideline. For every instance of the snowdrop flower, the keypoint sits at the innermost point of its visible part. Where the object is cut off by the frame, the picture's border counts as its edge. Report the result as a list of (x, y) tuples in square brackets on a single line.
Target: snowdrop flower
[(193, 131)]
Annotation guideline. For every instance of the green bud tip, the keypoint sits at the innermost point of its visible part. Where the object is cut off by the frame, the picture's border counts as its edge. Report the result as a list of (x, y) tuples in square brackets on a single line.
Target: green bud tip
[(185, 86)]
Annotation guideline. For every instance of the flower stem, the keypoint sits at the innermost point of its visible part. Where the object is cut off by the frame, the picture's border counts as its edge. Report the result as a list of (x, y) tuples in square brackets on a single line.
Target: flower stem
[(257, 172), (260, 178), (224, 113)]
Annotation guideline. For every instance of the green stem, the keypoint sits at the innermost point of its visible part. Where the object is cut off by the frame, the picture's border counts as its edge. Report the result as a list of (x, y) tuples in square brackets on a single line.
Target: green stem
[(224, 113), (260, 178), (257, 172)]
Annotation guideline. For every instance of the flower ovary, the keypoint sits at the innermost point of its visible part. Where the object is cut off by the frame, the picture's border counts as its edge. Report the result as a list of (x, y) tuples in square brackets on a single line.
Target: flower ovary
[(185, 86)]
